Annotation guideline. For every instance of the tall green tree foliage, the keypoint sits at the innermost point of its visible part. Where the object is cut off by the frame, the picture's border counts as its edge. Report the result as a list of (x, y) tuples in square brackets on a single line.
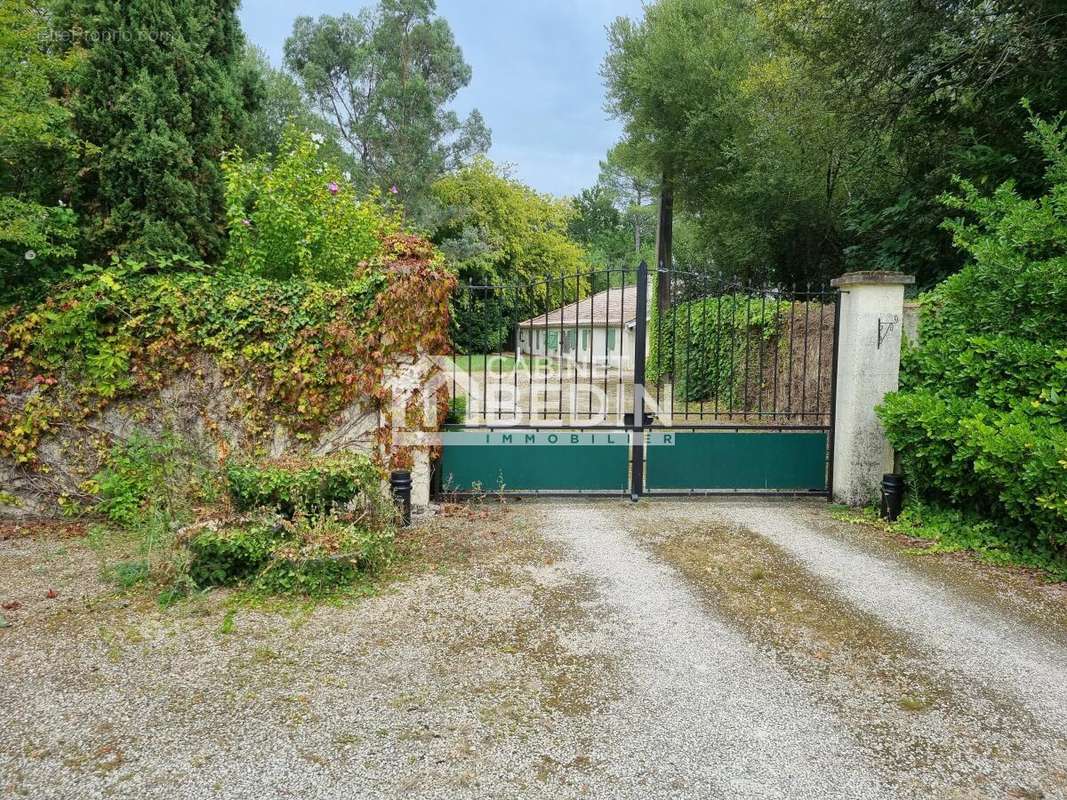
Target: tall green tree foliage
[(500, 230), (385, 77), (281, 105), (600, 228), (497, 231), (734, 125), (632, 193), (933, 88), (673, 78), (295, 215), (37, 153), (615, 222), (806, 137), (159, 97), (780, 212)]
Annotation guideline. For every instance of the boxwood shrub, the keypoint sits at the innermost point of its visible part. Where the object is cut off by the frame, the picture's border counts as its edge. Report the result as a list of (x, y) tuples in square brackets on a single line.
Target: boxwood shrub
[(308, 556), (228, 554), (312, 526), (323, 555)]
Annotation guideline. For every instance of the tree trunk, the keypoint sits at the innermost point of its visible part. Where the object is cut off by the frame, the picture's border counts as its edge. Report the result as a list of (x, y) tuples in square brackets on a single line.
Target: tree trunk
[(639, 197), (664, 235)]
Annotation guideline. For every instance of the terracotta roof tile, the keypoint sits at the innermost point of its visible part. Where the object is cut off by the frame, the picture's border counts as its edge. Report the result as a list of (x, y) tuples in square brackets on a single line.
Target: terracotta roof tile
[(616, 306)]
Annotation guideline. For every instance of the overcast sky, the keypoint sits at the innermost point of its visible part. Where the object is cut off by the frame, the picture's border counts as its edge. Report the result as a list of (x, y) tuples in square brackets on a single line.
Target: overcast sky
[(536, 75)]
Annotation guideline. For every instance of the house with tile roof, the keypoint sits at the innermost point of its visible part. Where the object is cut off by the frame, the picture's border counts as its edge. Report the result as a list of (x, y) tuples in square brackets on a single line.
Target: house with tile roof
[(596, 330)]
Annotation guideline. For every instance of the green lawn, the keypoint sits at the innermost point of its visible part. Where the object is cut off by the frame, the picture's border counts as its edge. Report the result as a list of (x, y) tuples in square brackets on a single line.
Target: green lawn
[(499, 363)]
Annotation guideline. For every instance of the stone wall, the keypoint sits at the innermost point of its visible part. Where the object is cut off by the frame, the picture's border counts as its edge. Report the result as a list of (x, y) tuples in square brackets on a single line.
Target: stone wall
[(911, 322), (200, 407)]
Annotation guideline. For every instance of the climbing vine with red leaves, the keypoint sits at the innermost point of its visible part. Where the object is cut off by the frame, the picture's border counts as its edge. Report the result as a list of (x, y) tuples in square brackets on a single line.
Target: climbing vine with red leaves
[(293, 353)]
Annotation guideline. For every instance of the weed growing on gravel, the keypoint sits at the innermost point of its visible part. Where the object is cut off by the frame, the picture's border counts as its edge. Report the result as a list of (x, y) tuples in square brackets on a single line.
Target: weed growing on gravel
[(910, 702), (148, 488), (228, 624), (326, 555), (148, 482), (127, 574), (950, 530), (312, 527)]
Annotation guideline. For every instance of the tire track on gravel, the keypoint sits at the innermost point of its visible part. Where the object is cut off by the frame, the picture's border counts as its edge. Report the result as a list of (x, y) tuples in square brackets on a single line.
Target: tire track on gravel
[(703, 713), (993, 648), (931, 729)]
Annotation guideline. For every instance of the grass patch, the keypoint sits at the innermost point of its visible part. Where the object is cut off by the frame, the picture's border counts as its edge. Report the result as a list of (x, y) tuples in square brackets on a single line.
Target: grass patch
[(128, 574), (494, 363), (915, 703), (229, 622), (949, 530)]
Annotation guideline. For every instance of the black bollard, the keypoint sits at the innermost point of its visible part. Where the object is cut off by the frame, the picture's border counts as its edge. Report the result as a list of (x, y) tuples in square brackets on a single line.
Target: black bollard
[(400, 483), (892, 495)]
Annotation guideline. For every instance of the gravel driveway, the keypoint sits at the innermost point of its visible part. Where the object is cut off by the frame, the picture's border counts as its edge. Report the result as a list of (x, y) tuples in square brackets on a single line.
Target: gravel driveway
[(733, 649)]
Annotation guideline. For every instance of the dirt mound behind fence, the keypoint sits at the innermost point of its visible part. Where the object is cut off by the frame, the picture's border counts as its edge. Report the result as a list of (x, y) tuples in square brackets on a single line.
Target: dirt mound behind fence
[(797, 365), (782, 379)]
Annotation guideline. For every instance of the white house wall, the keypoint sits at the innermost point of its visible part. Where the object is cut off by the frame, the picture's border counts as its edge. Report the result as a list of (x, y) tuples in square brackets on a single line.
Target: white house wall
[(534, 341)]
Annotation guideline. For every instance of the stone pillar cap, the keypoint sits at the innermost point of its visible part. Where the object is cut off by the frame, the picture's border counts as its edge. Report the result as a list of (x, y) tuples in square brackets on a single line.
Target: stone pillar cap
[(873, 278)]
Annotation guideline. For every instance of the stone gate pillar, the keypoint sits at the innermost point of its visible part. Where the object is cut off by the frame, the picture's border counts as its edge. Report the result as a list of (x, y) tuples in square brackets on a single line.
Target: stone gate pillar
[(868, 365)]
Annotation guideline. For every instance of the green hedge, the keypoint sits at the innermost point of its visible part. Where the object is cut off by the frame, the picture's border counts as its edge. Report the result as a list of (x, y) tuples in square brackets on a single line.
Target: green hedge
[(980, 421), (308, 557), (302, 538), (315, 486), (234, 553), (701, 343), (1009, 465), (324, 555)]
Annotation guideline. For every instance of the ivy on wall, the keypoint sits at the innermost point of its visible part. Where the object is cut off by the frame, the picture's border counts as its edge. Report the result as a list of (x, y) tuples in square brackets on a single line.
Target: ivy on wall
[(701, 345), (293, 352)]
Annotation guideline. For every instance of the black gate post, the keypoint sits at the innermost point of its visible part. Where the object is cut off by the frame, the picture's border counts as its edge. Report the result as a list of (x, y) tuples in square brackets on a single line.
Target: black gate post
[(637, 430), (833, 397)]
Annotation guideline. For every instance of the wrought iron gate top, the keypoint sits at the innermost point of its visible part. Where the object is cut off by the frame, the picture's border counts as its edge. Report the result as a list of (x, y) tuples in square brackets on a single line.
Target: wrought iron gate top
[(641, 351)]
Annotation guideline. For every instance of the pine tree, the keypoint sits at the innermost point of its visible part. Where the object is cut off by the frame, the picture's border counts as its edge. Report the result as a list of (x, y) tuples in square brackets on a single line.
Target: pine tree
[(160, 96)]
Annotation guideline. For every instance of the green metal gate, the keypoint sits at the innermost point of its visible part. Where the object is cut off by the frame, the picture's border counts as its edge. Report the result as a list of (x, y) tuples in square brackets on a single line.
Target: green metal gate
[(754, 460), (532, 460), (721, 389)]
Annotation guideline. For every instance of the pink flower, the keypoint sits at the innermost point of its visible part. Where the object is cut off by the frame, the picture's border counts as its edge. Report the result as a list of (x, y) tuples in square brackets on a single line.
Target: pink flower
[(393, 189), (247, 223), (334, 188)]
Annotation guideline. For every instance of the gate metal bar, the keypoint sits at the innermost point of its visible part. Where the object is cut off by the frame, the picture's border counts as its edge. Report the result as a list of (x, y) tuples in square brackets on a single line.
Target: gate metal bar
[(637, 456), (833, 400)]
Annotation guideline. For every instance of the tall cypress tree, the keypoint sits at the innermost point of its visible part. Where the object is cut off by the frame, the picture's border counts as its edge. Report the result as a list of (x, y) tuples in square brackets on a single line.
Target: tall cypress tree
[(38, 155), (160, 95)]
